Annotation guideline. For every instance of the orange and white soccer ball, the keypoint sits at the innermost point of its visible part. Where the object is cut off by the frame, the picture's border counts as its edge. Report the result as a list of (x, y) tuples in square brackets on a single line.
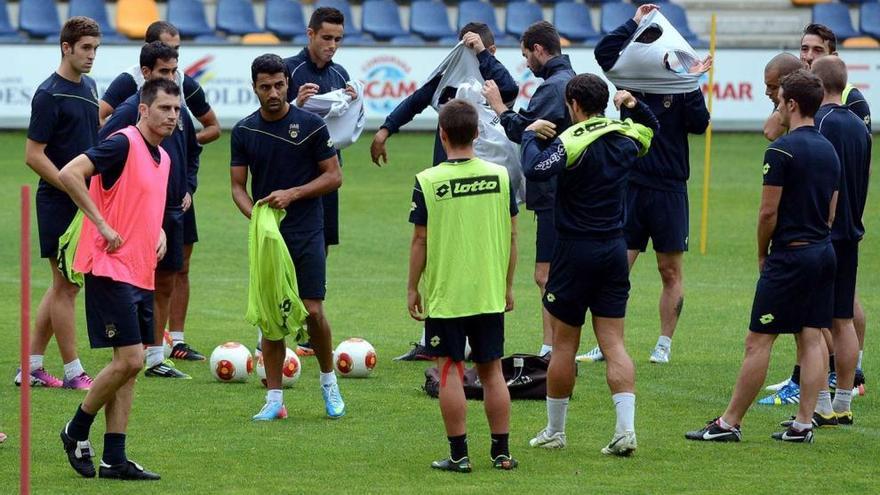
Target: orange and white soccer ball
[(354, 358), (231, 362), (290, 370)]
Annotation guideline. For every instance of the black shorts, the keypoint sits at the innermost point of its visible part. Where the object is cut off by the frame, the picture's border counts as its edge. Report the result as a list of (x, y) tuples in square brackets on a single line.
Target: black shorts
[(309, 261), (190, 231), (847, 254), (445, 337), (795, 290), (661, 215), (545, 236), (330, 202), (172, 224), (588, 274), (55, 211), (118, 314)]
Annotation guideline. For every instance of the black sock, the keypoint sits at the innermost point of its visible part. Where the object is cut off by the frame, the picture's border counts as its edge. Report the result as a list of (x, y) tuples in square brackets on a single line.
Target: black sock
[(114, 449), (79, 426), (831, 363), (458, 447), (796, 374), (499, 445)]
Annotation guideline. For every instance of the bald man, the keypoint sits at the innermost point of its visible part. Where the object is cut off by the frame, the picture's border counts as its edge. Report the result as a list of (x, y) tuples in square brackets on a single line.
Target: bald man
[(778, 67)]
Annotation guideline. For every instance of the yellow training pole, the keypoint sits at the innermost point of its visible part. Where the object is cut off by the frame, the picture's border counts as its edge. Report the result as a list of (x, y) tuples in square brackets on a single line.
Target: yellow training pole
[(707, 160)]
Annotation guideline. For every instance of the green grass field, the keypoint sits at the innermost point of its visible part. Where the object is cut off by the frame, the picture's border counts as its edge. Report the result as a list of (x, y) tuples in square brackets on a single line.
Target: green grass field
[(199, 436)]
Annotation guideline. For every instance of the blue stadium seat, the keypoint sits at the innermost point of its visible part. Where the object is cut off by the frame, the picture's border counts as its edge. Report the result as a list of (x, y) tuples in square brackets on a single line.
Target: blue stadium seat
[(836, 17), (97, 11), (236, 17), (573, 21), (188, 16), (381, 19), (614, 15), (476, 11), (8, 34), (285, 19), (428, 19), (521, 15), (38, 18), (678, 17), (869, 19), (353, 35)]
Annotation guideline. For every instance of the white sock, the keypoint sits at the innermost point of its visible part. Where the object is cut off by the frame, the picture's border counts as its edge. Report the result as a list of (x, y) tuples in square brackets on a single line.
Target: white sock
[(625, 404), (842, 400), (556, 411), (724, 424), (823, 403), (328, 378), (858, 364), (801, 426), (545, 349), (176, 337), (155, 355), (422, 340), (275, 395), (664, 341), (36, 361), (73, 369)]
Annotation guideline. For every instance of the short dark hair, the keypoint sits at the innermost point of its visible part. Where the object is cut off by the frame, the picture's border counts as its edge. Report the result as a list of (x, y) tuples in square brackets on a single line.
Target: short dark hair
[(79, 27), (805, 88), (784, 63), (486, 35), (152, 87), (589, 91), (268, 63), (329, 15), (458, 119), (155, 51), (542, 33), (832, 72), (823, 32), (157, 29)]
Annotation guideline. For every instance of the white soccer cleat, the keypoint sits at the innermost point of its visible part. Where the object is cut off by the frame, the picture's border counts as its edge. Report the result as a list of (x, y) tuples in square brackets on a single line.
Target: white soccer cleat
[(623, 444), (545, 440), (594, 356), (660, 355), (776, 387)]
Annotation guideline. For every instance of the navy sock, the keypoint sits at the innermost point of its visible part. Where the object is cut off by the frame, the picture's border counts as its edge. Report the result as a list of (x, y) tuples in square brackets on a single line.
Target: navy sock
[(831, 363), (79, 426), (499, 445), (458, 447), (114, 449), (796, 374)]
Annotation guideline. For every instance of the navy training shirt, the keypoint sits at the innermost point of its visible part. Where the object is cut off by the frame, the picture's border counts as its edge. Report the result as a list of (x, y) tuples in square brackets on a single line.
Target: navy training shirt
[(64, 117), (852, 142), (856, 102), (302, 70), (124, 86), (283, 154), (110, 155), (805, 165)]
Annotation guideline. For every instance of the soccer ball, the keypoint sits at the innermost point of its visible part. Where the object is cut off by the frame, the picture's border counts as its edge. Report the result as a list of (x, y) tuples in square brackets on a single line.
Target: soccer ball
[(354, 358), (231, 362), (290, 370), (167, 344)]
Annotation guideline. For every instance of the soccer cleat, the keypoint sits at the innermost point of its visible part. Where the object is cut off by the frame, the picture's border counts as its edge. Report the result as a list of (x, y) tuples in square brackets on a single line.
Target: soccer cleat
[(271, 411), (789, 394), (504, 462), (545, 440), (593, 356), (713, 432), (462, 465), (660, 355), (844, 418), (832, 380), (166, 369), (79, 454), (80, 382), (333, 400), (776, 387), (792, 435), (622, 444), (128, 470), (418, 352), (859, 378), (305, 349), (184, 352), (40, 378), (819, 421)]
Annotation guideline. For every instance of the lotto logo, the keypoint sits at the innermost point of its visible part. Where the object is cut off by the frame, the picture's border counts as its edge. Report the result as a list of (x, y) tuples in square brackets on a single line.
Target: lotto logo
[(455, 188), (766, 319)]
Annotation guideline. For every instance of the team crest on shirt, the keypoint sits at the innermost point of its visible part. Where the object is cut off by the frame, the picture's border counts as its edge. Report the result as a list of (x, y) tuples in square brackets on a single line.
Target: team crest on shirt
[(667, 101), (766, 168), (293, 131)]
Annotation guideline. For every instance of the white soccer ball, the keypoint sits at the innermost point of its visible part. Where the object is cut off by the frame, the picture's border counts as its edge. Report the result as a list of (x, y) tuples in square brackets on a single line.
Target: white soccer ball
[(354, 358), (290, 370), (231, 362)]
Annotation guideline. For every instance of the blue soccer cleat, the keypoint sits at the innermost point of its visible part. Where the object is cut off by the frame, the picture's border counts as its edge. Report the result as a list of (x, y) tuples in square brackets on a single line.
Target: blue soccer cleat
[(789, 394), (832, 380), (271, 411), (333, 400)]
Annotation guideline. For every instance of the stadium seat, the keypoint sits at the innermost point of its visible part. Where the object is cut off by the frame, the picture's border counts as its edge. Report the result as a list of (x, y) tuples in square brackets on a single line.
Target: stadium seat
[(8, 34), (97, 10), (573, 21), (133, 17), (521, 15), (353, 35), (614, 15), (860, 42), (428, 19), (476, 11), (836, 17), (807, 3), (236, 17), (381, 19), (188, 16), (869, 19), (678, 17), (284, 18), (260, 39), (39, 18)]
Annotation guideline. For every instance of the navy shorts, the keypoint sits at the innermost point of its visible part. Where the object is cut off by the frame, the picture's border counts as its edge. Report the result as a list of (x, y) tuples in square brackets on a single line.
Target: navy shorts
[(847, 254), (659, 215), (545, 236), (172, 224), (309, 261), (118, 314), (445, 337), (795, 290), (55, 211), (190, 231), (331, 218), (588, 274)]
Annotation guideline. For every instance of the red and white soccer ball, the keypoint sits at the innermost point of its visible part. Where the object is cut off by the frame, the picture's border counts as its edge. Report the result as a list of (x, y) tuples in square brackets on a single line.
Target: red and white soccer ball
[(231, 362), (354, 358), (290, 370)]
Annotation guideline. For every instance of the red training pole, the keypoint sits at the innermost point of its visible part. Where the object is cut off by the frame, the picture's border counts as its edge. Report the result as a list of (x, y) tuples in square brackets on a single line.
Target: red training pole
[(25, 467)]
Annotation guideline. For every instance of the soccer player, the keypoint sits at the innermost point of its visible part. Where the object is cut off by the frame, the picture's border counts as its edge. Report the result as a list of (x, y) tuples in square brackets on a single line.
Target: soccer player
[(589, 272), (778, 67), (795, 259), (159, 61), (64, 123), (464, 243), (542, 49), (657, 200), (121, 241), (293, 164)]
